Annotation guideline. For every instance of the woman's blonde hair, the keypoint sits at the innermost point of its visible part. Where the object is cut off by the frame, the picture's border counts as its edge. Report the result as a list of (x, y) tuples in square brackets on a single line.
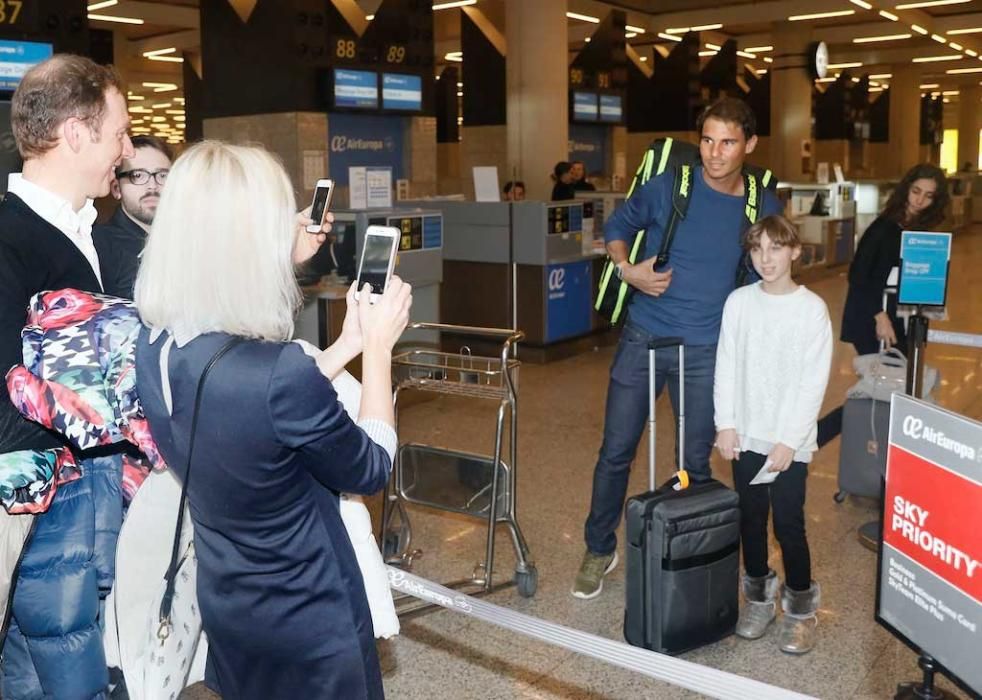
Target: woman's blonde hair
[(220, 252)]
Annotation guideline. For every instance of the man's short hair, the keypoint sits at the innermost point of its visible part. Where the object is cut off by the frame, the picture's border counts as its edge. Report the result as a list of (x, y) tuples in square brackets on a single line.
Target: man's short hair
[(61, 87), (149, 141), (512, 184), (732, 110), (777, 228)]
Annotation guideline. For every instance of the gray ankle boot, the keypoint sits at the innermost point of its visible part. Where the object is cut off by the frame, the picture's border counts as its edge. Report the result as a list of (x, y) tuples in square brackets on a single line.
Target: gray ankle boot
[(760, 607), (797, 631)]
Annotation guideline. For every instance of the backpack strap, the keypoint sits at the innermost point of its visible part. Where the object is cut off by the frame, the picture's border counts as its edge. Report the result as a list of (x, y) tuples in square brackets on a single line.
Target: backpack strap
[(752, 203), (681, 194), (666, 150)]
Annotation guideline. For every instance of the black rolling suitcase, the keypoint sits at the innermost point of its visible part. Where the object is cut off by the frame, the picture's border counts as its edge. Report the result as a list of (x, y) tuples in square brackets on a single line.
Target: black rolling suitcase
[(683, 549)]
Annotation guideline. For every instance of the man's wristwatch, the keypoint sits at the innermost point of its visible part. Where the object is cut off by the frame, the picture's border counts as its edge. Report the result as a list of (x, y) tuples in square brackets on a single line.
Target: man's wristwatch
[(619, 271)]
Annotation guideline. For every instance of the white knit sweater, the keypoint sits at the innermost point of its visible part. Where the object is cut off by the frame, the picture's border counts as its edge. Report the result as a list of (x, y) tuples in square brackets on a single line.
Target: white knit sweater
[(772, 367)]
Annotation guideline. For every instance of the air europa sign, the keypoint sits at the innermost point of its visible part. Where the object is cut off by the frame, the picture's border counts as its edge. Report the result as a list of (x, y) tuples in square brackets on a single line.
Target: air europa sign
[(340, 144), (364, 141)]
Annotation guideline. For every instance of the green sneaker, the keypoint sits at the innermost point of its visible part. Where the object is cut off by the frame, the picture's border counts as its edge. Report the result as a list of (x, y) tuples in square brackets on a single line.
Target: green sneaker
[(590, 581)]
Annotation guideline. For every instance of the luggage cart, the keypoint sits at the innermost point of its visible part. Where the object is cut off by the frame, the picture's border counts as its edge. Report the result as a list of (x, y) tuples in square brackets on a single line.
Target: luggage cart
[(480, 486)]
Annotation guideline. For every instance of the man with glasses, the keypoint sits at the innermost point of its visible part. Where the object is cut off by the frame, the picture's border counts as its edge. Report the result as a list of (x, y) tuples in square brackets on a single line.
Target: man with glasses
[(137, 186)]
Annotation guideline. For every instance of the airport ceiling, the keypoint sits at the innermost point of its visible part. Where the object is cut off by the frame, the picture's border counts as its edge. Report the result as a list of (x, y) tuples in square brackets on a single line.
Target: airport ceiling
[(890, 32)]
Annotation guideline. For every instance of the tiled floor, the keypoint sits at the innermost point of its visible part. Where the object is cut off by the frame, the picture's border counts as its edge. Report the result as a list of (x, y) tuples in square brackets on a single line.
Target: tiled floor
[(446, 655)]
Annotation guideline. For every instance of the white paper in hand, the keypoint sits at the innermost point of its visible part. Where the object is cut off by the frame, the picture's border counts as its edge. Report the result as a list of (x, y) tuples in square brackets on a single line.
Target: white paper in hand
[(765, 476)]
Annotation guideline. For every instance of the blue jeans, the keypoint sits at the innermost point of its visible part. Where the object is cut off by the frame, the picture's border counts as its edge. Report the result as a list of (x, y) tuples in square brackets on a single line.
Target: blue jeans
[(625, 418)]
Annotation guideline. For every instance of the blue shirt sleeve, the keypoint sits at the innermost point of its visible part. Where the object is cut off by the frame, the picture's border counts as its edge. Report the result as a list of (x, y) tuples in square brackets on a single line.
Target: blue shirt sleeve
[(641, 211)]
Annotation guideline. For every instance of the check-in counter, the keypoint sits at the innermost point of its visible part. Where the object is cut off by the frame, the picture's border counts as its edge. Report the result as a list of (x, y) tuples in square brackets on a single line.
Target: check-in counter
[(419, 261)]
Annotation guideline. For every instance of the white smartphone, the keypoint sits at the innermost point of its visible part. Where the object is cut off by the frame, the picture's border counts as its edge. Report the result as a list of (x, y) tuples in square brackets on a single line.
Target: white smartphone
[(319, 207), (378, 257)]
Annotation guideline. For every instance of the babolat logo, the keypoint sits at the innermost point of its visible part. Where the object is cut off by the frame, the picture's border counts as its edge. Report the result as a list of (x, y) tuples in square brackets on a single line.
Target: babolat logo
[(914, 427), (684, 184), (340, 144)]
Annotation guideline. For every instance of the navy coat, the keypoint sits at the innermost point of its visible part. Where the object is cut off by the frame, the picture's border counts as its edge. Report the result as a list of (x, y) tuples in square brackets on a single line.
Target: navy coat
[(281, 596)]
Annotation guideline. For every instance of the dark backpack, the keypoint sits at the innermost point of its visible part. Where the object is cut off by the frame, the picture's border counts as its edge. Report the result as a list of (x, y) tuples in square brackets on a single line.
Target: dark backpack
[(613, 293)]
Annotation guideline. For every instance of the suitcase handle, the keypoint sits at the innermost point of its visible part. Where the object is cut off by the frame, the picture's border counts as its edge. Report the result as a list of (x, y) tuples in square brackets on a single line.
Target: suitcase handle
[(654, 344)]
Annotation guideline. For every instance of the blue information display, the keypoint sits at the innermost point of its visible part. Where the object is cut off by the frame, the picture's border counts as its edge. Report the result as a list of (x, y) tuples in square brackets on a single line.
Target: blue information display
[(18, 57), (432, 231), (924, 259), (611, 108), (403, 92), (588, 143), (569, 297), (355, 88), (585, 106)]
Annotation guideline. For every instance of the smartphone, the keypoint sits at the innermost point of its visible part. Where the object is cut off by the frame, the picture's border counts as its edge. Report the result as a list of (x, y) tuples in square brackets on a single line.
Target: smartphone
[(378, 257), (321, 204)]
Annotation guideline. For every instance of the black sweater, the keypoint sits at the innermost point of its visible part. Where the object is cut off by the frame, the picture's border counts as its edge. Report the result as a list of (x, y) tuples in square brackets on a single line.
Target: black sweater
[(34, 256), (119, 243)]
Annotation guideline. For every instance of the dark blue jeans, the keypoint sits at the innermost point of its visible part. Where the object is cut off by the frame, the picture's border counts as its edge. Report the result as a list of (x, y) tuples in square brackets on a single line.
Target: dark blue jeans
[(627, 413)]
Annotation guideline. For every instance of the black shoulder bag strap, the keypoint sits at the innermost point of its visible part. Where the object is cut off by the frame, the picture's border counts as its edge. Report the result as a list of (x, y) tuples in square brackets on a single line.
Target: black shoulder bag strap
[(681, 191), (171, 576)]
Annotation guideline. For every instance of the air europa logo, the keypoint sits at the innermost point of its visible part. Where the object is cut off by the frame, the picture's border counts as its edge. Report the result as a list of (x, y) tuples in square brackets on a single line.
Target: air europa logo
[(340, 144), (914, 427), (557, 278)]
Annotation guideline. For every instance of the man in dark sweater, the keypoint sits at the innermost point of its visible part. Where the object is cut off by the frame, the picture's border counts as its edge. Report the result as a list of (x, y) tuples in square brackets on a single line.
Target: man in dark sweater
[(137, 186), (70, 122)]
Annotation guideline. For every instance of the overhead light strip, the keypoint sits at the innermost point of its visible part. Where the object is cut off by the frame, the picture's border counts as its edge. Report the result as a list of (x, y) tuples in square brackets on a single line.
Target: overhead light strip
[(451, 5), (934, 59), (670, 37), (862, 4), (958, 71), (707, 27), (967, 30), (821, 15), (881, 76), (115, 18), (885, 37), (102, 5), (837, 66), (929, 3), (919, 29), (889, 15), (758, 49), (632, 28), (576, 15)]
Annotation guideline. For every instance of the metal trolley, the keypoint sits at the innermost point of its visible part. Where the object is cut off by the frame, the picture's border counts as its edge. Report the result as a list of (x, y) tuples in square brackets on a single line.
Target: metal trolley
[(480, 486)]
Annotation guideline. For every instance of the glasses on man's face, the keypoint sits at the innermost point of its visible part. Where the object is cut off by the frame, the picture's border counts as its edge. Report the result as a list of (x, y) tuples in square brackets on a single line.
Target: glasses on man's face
[(142, 177)]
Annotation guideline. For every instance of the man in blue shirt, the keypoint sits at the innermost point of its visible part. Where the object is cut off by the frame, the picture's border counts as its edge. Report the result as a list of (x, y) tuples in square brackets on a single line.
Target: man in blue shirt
[(685, 299)]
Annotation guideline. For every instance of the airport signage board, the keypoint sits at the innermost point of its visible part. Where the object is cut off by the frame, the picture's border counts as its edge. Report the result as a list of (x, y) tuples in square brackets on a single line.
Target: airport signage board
[(924, 261), (930, 562)]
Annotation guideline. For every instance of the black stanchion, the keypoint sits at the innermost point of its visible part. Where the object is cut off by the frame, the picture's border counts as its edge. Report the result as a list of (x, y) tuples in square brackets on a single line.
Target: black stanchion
[(923, 690)]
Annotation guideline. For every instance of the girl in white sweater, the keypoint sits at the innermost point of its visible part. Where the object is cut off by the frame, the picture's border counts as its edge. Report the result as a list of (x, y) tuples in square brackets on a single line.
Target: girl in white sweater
[(772, 367)]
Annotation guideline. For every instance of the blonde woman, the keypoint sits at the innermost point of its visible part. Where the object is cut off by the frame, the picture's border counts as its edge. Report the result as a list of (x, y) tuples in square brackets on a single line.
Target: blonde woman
[(281, 596)]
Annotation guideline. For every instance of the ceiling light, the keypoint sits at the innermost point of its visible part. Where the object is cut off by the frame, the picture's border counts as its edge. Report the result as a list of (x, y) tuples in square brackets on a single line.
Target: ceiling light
[(768, 59), (707, 27), (636, 30), (959, 71), (884, 37), (162, 105), (968, 30), (174, 111), (864, 5), (714, 47), (102, 5), (971, 53), (939, 39), (826, 80), (451, 5), (456, 56), (670, 37), (875, 89), (708, 53), (369, 18), (758, 49), (950, 92), (135, 97), (855, 80), (576, 15), (837, 66), (929, 3), (587, 40), (946, 101), (933, 59), (745, 54), (955, 46), (137, 109), (881, 76), (918, 28), (460, 93), (460, 85), (762, 71), (643, 59), (889, 15), (821, 15), (678, 30), (929, 86), (160, 52), (630, 35), (114, 18)]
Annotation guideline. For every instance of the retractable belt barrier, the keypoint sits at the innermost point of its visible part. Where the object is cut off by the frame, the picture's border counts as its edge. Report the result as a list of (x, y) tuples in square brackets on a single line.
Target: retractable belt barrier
[(685, 674), (951, 338)]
